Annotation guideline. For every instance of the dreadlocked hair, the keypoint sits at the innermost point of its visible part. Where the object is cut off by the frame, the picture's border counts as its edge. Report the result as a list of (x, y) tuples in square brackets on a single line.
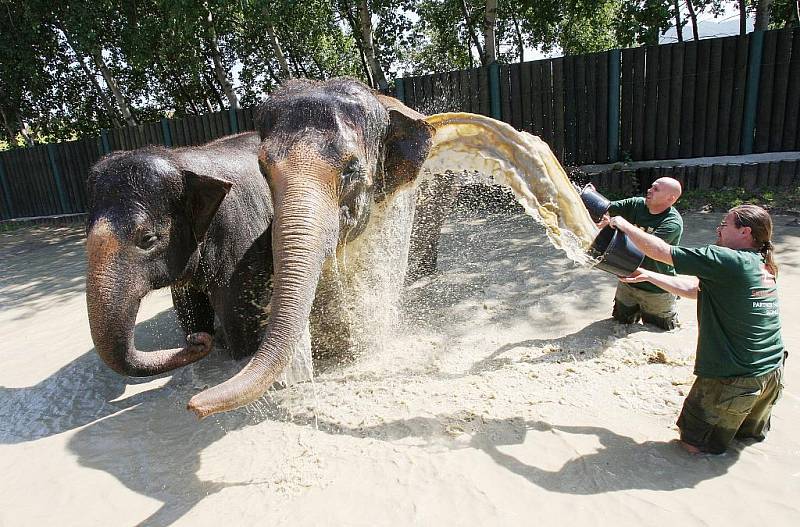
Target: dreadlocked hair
[(760, 224)]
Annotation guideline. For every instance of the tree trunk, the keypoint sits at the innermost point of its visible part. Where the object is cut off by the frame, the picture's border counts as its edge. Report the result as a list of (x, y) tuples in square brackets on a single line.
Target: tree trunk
[(365, 29), (25, 130), (91, 77), (678, 26), (15, 125), (277, 50), (346, 10), (471, 31), (489, 23), (212, 89), (10, 132), (97, 55), (762, 14), (219, 68), (520, 41), (693, 18), (742, 17)]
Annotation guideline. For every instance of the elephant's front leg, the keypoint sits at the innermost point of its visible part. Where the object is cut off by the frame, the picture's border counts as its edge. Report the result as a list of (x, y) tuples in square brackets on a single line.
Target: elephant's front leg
[(195, 314), (435, 200)]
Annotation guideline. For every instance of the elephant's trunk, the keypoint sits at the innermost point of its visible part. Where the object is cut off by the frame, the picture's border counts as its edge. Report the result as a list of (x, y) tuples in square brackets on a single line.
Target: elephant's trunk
[(304, 232), (112, 297)]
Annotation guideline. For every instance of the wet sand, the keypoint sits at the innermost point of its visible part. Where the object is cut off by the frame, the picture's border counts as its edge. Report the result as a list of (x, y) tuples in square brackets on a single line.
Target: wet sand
[(506, 396)]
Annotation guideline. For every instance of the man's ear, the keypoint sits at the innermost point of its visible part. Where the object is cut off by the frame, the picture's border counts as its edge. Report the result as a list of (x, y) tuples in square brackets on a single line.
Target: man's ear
[(203, 197), (408, 143)]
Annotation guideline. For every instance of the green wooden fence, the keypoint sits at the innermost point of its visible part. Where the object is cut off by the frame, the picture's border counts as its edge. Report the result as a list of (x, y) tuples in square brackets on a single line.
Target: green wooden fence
[(50, 179), (724, 96)]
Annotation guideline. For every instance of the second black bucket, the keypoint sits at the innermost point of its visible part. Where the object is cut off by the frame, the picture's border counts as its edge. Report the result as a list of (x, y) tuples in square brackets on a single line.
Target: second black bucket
[(595, 203), (616, 254)]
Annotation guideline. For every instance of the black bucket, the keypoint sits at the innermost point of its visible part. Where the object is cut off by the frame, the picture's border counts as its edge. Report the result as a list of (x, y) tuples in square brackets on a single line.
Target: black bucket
[(616, 254), (595, 203)]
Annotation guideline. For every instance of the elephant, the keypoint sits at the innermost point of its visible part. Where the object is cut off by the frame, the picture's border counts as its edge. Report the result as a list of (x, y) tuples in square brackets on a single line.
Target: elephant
[(342, 162), (195, 219)]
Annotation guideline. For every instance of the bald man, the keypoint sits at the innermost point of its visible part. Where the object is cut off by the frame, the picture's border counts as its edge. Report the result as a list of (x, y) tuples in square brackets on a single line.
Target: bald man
[(655, 215)]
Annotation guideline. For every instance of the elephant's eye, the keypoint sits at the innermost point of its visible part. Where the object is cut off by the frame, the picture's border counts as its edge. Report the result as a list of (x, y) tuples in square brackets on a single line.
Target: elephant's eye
[(147, 241), (352, 171)]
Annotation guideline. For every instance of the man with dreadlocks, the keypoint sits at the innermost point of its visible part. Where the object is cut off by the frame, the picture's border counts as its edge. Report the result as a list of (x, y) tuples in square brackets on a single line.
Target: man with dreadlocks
[(740, 354)]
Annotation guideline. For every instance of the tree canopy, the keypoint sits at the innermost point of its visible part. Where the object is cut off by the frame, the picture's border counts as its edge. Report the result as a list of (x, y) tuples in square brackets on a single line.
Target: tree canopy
[(72, 67)]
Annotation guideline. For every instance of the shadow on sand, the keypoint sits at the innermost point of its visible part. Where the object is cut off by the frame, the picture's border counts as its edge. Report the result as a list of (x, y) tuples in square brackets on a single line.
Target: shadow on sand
[(147, 440)]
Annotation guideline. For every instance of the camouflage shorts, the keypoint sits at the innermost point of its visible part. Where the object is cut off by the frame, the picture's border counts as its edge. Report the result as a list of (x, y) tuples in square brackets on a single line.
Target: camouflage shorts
[(632, 304), (718, 410)]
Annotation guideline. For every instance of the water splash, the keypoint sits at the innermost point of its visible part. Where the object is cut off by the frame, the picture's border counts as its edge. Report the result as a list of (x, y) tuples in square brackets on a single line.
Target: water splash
[(523, 163)]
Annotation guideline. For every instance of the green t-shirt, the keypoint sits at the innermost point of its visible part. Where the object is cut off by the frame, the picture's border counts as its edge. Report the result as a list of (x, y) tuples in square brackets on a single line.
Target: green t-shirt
[(737, 311), (667, 225)]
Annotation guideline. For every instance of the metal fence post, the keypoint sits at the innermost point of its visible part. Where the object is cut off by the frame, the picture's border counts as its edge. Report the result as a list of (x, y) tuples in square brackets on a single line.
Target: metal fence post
[(62, 196), (754, 57), (105, 145), (613, 104), (166, 132), (400, 90), (233, 120), (6, 190), (494, 91)]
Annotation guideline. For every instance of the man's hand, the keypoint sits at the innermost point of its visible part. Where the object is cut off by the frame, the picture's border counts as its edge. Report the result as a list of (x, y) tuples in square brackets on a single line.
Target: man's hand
[(618, 222), (639, 275), (604, 221)]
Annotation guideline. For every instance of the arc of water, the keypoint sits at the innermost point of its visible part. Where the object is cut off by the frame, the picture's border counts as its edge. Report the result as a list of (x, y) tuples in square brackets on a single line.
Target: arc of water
[(520, 161)]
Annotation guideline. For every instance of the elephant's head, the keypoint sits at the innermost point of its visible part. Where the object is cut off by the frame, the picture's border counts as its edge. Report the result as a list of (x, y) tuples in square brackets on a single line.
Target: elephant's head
[(146, 219), (330, 151)]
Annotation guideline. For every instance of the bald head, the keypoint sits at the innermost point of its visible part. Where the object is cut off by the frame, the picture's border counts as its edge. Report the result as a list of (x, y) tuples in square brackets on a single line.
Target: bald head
[(662, 194)]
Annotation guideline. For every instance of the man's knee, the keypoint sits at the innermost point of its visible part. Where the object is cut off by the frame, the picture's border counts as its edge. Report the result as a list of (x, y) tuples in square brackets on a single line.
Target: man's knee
[(667, 323), (624, 313)]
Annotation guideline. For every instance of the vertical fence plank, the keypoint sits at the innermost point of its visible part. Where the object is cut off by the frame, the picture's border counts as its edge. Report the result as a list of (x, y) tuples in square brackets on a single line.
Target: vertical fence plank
[(545, 70), (529, 83), (765, 92), (687, 99), (601, 97), (583, 125), (780, 89), (493, 73), (791, 134), (626, 113), (8, 211), (506, 92), (749, 176), (675, 99), (664, 83), (558, 108), (712, 112), (755, 50), (726, 86), (639, 102), (515, 119), (651, 102), (570, 118), (484, 96), (701, 97), (738, 95)]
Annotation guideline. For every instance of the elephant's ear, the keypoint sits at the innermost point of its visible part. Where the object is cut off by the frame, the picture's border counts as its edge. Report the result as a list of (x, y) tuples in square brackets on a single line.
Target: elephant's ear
[(408, 143), (203, 197)]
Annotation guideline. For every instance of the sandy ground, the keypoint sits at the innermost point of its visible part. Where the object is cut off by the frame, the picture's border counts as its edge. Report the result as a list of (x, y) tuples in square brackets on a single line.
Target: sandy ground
[(506, 396)]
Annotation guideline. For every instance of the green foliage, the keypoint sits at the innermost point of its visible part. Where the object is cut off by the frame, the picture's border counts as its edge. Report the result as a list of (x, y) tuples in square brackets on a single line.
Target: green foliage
[(720, 200), (59, 60), (784, 14)]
